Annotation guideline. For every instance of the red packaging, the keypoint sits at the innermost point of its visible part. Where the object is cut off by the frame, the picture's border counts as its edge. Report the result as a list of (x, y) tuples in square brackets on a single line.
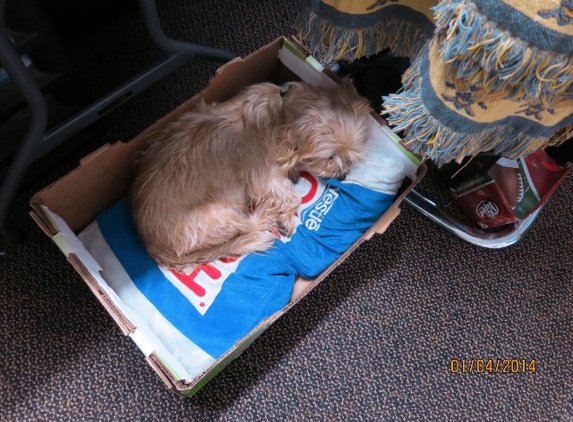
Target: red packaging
[(510, 190)]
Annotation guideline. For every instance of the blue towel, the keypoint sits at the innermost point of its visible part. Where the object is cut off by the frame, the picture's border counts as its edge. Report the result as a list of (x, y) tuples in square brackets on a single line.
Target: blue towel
[(262, 283)]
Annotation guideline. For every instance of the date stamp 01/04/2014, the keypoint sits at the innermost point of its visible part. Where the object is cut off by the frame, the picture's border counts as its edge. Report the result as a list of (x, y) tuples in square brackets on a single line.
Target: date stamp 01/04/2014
[(493, 366)]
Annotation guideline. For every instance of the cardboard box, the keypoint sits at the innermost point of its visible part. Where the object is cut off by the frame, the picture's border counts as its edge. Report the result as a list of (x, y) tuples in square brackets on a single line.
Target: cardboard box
[(65, 208)]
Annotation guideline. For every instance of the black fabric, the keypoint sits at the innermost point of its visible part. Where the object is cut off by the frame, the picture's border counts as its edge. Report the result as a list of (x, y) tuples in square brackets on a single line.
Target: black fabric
[(563, 153), (373, 342)]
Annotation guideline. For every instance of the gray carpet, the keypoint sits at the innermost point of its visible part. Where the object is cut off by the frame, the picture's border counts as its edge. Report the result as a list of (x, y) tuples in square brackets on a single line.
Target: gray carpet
[(373, 342)]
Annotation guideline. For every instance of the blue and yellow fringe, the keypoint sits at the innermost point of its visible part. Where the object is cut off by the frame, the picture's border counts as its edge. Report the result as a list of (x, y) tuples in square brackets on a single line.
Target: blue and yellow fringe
[(336, 35), (434, 130), (499, 48)]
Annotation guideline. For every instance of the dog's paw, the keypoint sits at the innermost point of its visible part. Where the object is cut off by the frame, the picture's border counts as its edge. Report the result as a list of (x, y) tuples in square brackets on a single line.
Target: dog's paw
[(286, 225)]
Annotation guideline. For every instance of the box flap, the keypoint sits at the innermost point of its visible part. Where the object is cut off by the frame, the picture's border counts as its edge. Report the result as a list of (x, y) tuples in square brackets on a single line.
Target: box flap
[(84, 161), (102, 179)]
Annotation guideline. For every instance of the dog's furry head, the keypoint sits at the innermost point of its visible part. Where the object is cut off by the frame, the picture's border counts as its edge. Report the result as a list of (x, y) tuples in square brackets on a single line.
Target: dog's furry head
[(325, 130)]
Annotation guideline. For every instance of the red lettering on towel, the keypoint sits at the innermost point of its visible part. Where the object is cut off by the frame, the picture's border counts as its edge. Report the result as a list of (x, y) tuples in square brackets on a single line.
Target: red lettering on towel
[(202, 286), (189, 280), (313, 186)]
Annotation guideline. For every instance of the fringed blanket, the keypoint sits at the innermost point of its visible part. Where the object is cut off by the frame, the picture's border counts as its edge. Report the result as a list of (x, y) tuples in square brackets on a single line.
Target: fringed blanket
[(521, 47), (448, 118), (496, 75), (347, 30)]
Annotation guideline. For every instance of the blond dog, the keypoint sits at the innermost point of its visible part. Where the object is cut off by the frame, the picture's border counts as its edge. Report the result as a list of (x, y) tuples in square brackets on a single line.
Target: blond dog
[(215, 183)]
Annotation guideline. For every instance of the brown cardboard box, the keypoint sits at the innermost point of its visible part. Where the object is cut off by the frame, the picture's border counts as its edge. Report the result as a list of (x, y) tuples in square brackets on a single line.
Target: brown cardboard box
[(65, 208)]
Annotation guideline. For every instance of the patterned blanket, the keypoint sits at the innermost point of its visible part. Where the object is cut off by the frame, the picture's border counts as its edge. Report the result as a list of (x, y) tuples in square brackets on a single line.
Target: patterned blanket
[(347, 30), (494, 75)]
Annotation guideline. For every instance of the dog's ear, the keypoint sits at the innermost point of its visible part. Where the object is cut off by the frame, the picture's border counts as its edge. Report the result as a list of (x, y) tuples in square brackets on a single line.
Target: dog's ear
[(348, 95), (346, 90)]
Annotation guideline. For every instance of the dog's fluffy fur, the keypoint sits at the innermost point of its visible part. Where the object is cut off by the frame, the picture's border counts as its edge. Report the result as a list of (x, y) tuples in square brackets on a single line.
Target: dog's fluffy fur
[(215, 183)]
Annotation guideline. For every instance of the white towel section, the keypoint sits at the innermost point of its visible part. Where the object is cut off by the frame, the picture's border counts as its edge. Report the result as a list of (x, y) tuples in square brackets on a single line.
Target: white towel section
[(382, 169)]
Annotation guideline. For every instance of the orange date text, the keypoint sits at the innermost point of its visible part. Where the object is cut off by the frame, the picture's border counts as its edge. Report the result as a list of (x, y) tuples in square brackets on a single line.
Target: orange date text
[(492, 366)]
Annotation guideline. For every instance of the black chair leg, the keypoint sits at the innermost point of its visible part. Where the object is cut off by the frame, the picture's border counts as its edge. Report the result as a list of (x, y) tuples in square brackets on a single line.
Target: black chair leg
[(18, 73), (38, 142)]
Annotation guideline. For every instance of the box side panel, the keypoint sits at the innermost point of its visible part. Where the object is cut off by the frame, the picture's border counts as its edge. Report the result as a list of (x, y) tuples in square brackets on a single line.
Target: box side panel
[(119, 317), (230, 356), (81, 195), (260, 66)]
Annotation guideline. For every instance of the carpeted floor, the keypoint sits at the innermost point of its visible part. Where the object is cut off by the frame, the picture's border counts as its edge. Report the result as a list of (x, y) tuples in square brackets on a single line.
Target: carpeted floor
[(374, 341)]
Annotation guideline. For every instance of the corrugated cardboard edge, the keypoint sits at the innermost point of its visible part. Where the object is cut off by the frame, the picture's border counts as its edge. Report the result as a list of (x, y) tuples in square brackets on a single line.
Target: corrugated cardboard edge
[(124, 324), (189, 388), (45, 225), (165, 374), (48, 227)]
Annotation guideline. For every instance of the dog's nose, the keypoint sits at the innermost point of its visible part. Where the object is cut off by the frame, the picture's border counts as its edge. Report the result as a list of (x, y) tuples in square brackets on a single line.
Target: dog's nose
[(341, 177), (284, 89)]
